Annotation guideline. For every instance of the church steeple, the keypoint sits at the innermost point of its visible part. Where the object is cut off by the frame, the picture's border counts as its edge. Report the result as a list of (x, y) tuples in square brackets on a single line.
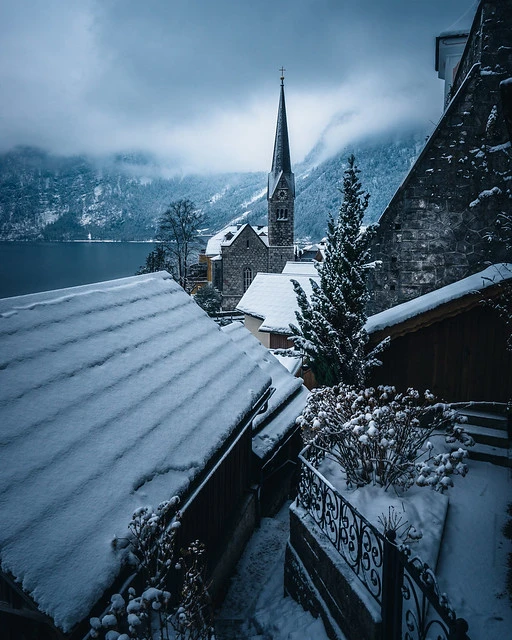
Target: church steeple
[(281, 163), (281, 191)]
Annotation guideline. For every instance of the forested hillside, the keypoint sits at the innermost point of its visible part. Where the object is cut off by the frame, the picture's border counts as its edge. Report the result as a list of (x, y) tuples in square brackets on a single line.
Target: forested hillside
[(44, 197)]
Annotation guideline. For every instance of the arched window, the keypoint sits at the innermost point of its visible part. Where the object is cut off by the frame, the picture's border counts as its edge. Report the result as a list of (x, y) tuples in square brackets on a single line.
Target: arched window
[(282, 214), (247, 278)]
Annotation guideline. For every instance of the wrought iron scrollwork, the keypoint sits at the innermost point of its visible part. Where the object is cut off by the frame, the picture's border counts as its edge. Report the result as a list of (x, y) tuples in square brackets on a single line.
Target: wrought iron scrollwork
[(360, 544), (426, 611)]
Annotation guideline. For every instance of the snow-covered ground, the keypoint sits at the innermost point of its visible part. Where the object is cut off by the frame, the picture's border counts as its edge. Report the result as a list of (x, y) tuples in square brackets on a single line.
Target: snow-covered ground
[(473, 562), (471, 568)]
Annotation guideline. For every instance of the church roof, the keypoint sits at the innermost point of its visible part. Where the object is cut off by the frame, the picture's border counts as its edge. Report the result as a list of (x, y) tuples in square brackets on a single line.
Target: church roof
[(261, 232), (99, 414), (225, 238), (281, 158)]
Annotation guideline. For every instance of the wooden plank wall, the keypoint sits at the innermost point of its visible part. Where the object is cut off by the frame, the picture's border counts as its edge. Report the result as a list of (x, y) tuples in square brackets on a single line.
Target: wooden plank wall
[(459, 358), (208, 517)]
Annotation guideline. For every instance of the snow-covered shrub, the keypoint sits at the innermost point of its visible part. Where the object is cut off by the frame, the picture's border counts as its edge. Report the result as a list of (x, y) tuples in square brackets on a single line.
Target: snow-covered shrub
[(379, 436), (154, 614)]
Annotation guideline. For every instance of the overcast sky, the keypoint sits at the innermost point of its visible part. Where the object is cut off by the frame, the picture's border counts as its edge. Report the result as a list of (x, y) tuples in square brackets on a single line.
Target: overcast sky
[(197, 82)]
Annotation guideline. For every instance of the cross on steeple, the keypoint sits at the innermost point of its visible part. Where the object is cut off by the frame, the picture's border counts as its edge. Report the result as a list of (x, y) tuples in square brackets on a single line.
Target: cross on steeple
[(282, 70)]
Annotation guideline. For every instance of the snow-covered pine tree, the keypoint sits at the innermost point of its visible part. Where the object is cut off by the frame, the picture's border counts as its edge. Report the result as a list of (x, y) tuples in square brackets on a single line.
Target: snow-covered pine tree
[(330, 329)]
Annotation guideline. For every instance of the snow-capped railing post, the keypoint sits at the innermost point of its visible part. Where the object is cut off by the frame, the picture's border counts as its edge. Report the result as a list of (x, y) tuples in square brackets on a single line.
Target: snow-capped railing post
[(392, 578)]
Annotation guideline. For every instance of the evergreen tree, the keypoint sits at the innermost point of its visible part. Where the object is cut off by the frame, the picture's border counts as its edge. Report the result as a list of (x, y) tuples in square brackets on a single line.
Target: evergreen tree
[(209, 299), (330, 328)]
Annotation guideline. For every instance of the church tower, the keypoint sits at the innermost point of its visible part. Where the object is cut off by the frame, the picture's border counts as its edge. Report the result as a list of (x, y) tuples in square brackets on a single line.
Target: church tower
[(281, 194)]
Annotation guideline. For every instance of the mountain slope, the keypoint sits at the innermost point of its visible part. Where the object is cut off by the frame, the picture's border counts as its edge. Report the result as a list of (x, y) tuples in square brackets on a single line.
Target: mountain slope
[(66, 198)]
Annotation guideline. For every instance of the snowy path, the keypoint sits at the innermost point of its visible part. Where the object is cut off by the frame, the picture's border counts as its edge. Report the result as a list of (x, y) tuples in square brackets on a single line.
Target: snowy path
[(255, 607), (472, 565)]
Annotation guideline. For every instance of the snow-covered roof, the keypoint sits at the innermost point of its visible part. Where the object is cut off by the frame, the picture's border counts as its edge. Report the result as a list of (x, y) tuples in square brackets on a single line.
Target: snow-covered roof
[(228, 235), (284, 383), (300, 268), (284, 405), (402, 312), (462, 26), (291, 363), (213, 247), (106, 404), (272, 298)]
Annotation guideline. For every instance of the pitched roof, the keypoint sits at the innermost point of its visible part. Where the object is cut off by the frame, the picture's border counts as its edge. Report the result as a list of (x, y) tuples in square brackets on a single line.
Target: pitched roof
[(261, 232), (435, 299), (284, 405), (272, 298), (99, 414), (225, 237)]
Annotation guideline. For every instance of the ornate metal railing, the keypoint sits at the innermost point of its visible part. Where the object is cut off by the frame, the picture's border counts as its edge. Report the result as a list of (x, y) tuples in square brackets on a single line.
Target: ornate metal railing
[(356, 539), (412, 605)]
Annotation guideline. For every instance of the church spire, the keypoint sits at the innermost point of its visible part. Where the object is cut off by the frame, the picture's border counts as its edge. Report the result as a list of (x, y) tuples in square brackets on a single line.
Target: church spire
[(281, 194), (281, 159), (281, 162)]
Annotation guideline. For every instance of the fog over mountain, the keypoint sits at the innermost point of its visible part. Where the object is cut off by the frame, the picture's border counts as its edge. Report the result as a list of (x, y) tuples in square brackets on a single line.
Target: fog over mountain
[(48, 197), (194, 84)]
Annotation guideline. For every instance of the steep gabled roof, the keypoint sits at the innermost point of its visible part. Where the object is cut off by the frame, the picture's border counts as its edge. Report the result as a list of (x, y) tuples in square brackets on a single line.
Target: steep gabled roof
[(225, 237), (106, 404), (260, 232)]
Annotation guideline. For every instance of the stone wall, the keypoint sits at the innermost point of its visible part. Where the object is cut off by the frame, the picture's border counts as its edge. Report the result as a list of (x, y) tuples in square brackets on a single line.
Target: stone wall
[(278, 257), (434, 231), (247, 251), (280, 227)]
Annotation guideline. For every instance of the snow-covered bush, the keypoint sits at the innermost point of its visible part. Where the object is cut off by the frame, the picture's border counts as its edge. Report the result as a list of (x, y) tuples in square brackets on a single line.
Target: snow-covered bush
[(154, 614), (379, 436)]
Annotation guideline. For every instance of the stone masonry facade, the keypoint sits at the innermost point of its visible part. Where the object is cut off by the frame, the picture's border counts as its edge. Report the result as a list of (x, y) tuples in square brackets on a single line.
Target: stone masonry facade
[(435, 230), (247, 252)]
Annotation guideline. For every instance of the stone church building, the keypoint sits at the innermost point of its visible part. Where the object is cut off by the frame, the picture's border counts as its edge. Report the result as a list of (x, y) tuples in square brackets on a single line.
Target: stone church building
[(237, 253), (435, 230)]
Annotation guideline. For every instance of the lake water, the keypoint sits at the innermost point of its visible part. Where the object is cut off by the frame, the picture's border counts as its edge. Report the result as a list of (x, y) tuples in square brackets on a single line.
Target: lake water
[(29, 267)]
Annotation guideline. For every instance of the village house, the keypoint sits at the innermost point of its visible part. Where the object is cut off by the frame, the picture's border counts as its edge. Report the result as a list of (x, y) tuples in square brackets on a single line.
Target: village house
[(450, 341), (270, 303), (106, 405)]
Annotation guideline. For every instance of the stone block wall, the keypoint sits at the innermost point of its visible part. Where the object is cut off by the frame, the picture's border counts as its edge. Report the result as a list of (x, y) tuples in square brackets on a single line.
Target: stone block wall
[(278, 257), (247, 251), (435, 229), (320, 580)]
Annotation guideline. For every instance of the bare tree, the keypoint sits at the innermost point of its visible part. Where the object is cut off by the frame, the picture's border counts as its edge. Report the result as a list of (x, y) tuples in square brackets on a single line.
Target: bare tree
[(178, 231)]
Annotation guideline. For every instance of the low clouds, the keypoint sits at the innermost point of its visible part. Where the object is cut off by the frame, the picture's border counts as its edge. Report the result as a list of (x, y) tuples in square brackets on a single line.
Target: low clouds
[(196, 82)]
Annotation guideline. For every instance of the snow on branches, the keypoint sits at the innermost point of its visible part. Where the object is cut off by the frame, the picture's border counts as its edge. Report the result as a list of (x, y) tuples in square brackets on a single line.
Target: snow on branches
[(330, 331), (154, 614), (379, 436)]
